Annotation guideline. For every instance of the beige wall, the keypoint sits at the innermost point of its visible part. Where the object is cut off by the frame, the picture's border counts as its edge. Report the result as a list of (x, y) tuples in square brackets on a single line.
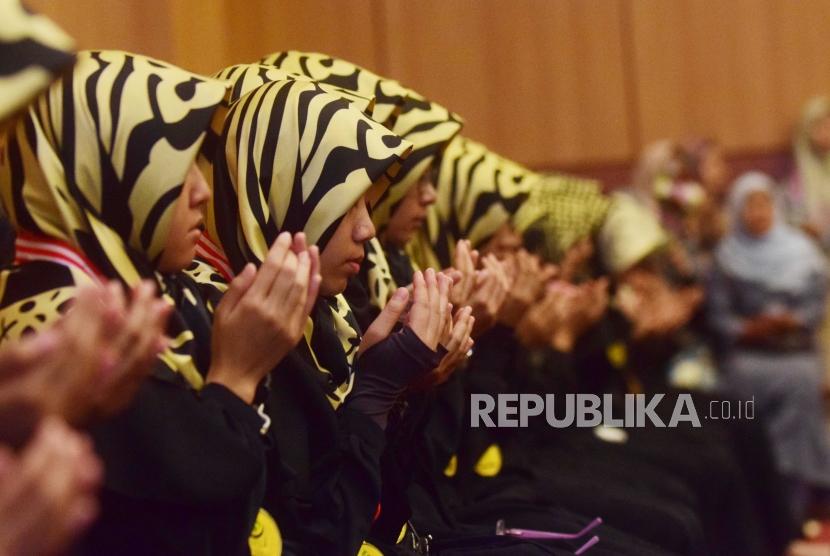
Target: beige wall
[(552, 83)]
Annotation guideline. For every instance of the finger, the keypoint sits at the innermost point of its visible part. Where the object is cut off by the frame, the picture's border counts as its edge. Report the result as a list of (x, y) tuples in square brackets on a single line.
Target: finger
[(298, 301), (469, 323), (475, 257), (419, 312), (458, 256), (385, 322), (116, 300), (271, 266), (420, 294), (469, 345), (298, 244), (444, 289), (283, 290), (461, 329), (237, 289), (435, 308)]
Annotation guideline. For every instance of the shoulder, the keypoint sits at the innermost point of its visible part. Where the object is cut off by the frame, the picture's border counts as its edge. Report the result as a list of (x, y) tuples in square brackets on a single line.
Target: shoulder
[(34, 295)]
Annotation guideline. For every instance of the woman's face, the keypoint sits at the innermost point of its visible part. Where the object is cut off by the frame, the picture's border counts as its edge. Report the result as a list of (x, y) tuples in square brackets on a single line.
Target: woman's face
[(188, 223), (343, 254), (505, 242), (820, 135), (409, 215), (758, 213)]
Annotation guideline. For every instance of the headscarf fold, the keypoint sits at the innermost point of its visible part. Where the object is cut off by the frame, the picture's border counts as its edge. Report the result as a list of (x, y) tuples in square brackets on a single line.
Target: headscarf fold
[(389, 94), (426, 124), (784, 259), (293, 157), (33, 50), (478, 192), (244, 78), (247, 77), (562, 210), (92, 173)]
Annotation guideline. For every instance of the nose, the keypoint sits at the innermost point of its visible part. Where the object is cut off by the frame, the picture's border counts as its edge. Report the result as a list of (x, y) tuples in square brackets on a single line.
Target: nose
[(428, 195), (364, 229), (199, 190)]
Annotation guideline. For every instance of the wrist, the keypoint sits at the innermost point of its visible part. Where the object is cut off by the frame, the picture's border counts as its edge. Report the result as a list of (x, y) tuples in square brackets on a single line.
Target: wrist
[(243, 387)]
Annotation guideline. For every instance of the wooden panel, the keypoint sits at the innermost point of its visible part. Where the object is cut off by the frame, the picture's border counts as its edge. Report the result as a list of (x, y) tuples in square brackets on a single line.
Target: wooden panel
[(133, 25), (736, 70), (801, 60), (538, 80), (206, 36), (551, 83), (345, 28)]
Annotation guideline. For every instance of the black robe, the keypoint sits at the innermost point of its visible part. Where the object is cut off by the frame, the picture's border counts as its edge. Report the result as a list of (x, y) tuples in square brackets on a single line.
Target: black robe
[(185, 470)]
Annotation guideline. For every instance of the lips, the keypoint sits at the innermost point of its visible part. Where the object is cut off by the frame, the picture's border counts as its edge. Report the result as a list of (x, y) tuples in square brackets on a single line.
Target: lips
[(199, 226), (353, 265)]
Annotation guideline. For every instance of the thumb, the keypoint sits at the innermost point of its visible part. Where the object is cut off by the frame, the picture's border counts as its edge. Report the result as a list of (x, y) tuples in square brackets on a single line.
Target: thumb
[(386, 320)]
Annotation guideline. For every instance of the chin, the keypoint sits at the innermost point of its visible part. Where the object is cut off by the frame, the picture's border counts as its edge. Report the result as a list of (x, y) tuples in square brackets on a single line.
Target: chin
[(333, 286)]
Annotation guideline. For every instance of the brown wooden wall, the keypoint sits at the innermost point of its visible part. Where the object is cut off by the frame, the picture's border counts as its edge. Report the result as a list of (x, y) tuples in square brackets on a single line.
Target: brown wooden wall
[(556, 84)]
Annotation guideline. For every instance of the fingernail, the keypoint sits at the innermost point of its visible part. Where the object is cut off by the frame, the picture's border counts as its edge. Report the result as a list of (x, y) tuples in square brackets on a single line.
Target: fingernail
[(400, 294)]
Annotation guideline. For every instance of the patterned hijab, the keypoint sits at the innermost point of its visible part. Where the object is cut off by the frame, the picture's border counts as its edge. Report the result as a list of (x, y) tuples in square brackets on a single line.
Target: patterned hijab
[(33, 50), (785, 260), (562, 210), (244, 78), (427, 125), (293, 157), (389, 95), (478, 192), (89, 178)]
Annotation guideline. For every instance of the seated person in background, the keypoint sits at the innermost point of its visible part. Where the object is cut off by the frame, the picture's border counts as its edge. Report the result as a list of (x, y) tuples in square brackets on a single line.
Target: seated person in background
[(766, 299)]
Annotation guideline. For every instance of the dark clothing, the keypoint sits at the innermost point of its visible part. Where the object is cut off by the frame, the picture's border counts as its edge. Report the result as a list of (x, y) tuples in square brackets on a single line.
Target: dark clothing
[(324, 483), (184, 474), (185, 469)]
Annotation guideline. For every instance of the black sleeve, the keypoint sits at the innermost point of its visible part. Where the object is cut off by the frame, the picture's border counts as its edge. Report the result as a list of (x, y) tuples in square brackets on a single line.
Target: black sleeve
[(326, 486), (323, 470), (185, 473), (346, 487), (175, 444), (385, 371)]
